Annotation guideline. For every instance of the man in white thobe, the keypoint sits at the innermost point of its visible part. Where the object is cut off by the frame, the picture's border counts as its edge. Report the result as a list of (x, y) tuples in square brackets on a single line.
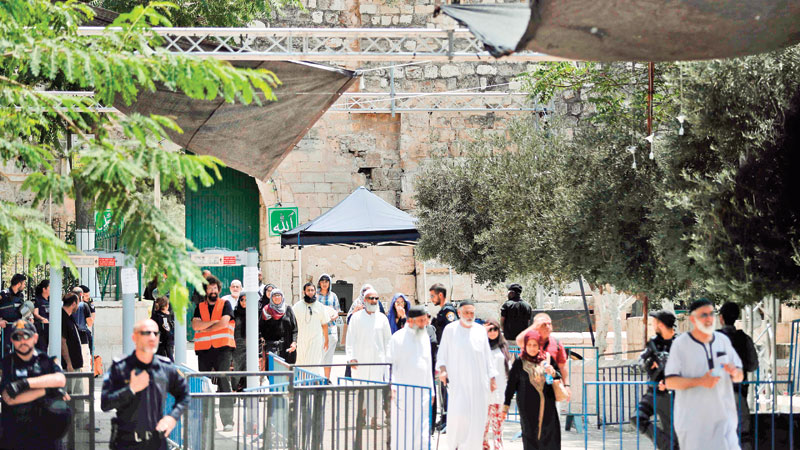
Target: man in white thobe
[(410, 356), (312, 329), (367, 342), (465, 366)]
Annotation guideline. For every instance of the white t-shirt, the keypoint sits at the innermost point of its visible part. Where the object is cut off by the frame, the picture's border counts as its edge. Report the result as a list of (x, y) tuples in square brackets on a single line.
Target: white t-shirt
[(704, 418), (499, 395)]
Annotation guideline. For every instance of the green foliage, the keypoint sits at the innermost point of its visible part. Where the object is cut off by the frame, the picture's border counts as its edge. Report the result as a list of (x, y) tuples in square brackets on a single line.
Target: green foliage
[(210, 13), (116, 155), (714, 211)]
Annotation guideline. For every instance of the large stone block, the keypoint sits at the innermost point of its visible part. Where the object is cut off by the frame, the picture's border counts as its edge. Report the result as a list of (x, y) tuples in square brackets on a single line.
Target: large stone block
[(450, 70)]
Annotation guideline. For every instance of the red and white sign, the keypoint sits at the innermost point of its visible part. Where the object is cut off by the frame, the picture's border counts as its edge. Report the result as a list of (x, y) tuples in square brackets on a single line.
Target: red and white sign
[(106, 262)]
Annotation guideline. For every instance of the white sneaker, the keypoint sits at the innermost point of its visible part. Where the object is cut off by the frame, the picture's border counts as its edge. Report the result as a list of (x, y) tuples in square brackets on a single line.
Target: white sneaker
[(228, 428)]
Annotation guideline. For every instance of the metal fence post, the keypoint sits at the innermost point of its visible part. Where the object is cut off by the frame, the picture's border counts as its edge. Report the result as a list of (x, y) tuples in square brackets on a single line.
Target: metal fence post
[(251, 318), (54, 341), (128, 313)]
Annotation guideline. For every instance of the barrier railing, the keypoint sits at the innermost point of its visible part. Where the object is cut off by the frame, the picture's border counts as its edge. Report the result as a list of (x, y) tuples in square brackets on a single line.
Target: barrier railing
[(81, 434), (339, 416), (411, 413), (258, 416), (622, 396), (770, 425), (794, 356)]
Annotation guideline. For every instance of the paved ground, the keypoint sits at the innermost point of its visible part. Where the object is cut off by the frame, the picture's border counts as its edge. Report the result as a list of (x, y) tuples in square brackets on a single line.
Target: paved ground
[(571, 440)]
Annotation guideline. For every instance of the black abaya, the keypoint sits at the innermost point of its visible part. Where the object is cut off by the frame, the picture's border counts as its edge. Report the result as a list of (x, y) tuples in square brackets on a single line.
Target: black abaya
[(529, 404)]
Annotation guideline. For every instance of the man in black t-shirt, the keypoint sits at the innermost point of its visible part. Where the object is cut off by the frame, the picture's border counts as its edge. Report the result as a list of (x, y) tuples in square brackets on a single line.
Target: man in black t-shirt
[(746, 349), (28, 377), (515, 314)]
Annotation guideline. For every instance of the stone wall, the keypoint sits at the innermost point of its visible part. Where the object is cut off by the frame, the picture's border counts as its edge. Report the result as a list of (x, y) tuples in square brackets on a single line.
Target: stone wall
[(382, 152)]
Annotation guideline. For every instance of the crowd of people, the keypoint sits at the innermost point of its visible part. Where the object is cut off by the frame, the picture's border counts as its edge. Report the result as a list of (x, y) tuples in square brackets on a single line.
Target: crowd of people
[(478, 374)]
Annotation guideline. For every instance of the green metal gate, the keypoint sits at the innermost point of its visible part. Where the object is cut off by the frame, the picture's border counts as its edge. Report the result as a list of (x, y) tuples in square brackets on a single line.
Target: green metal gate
[(225, 215)]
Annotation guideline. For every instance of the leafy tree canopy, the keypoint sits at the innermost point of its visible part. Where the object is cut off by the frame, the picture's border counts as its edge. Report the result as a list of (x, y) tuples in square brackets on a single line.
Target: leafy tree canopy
[(118, 155), (210, 13), (708, 207)]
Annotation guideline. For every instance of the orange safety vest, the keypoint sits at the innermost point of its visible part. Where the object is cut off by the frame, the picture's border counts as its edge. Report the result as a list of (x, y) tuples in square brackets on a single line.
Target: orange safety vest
[(204, 340)]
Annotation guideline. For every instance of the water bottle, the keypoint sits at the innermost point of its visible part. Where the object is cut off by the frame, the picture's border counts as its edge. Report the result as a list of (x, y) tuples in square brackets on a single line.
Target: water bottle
[(548, 379)]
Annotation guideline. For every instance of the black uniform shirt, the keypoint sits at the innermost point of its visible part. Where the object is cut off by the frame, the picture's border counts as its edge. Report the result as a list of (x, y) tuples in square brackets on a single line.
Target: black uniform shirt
[(517, 315), (22, 419), (445, 316), (141, 411)]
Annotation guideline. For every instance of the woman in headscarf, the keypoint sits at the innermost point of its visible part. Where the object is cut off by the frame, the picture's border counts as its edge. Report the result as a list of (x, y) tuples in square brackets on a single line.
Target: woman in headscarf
[(278, 328), (502, 361), (41, 313), (397, 312), (536, 400)]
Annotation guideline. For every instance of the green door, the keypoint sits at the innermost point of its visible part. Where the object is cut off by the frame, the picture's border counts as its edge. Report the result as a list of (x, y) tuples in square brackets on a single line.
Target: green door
[(224, 215)]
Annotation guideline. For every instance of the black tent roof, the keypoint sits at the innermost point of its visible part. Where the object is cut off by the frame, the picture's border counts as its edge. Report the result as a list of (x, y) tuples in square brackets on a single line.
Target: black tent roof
[(361, 219)]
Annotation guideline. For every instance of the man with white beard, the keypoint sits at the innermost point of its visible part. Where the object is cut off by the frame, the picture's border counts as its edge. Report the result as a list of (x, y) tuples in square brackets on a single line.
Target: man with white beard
[(367, 342), (701, 369), (410, 356), (465, 366)]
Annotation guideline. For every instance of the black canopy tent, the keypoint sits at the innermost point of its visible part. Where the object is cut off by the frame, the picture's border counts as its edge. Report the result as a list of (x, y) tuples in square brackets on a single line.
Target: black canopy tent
[(359, 220), (639, 30)]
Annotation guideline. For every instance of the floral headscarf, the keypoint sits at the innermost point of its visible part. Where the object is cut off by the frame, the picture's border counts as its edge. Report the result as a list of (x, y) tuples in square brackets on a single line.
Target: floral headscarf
[(541, 356)]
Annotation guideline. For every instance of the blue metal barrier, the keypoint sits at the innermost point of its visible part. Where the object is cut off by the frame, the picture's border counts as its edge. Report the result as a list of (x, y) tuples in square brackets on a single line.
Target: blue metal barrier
[(410, 404), (195, 385), (766, 427)]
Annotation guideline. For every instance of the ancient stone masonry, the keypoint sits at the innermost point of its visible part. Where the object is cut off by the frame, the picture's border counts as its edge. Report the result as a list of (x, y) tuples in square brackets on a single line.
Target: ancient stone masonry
[(380, 151)]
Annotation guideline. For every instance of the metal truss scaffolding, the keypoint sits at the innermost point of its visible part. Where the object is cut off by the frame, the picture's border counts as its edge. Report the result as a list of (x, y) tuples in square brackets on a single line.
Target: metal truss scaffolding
[(329, 44), (407, 102)]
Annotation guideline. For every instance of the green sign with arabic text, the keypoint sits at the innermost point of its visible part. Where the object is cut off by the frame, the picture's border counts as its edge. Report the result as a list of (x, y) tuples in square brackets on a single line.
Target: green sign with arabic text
[(282, 220)]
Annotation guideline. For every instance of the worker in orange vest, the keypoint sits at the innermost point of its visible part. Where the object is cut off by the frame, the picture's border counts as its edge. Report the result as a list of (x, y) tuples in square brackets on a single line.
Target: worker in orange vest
[(214, 342)]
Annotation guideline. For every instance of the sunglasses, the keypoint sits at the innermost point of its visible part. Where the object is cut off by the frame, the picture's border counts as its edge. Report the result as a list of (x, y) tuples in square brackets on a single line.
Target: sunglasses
[(491, 329), (148, 333), (373, 298), (19, 337), (707, 315)]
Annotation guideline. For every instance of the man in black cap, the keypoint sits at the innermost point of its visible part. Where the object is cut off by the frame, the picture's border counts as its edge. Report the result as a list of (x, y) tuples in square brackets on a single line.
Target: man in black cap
[(30, 379), (515, 314), (701, 369), (746, 349), (447, 314), (11, 301), (653, 361)]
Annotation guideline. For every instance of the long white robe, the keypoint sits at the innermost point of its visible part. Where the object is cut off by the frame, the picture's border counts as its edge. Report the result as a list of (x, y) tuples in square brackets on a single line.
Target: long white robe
[(368, 338), (410, 356), (310, 340), (467, 357)]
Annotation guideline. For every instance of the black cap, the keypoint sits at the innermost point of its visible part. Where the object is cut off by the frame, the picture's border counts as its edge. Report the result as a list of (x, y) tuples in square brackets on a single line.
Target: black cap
[(23, 327), (515, 287), (699, 303), (665, 317), (416, 311)]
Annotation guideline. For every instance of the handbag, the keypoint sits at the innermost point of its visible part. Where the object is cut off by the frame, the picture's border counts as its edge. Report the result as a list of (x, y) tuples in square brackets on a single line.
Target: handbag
[(561, 392)]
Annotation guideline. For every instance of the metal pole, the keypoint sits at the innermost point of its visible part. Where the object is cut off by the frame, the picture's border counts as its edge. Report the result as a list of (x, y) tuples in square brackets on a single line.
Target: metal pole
[(54, 343), (128, 313), (180, 333), (586, 309), (251, 318)]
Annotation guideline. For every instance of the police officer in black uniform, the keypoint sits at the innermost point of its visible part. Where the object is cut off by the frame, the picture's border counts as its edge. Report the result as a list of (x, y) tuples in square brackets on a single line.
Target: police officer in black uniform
[(653, 360), (11, 301), (137, 387), (32, 382), (447, 314)]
